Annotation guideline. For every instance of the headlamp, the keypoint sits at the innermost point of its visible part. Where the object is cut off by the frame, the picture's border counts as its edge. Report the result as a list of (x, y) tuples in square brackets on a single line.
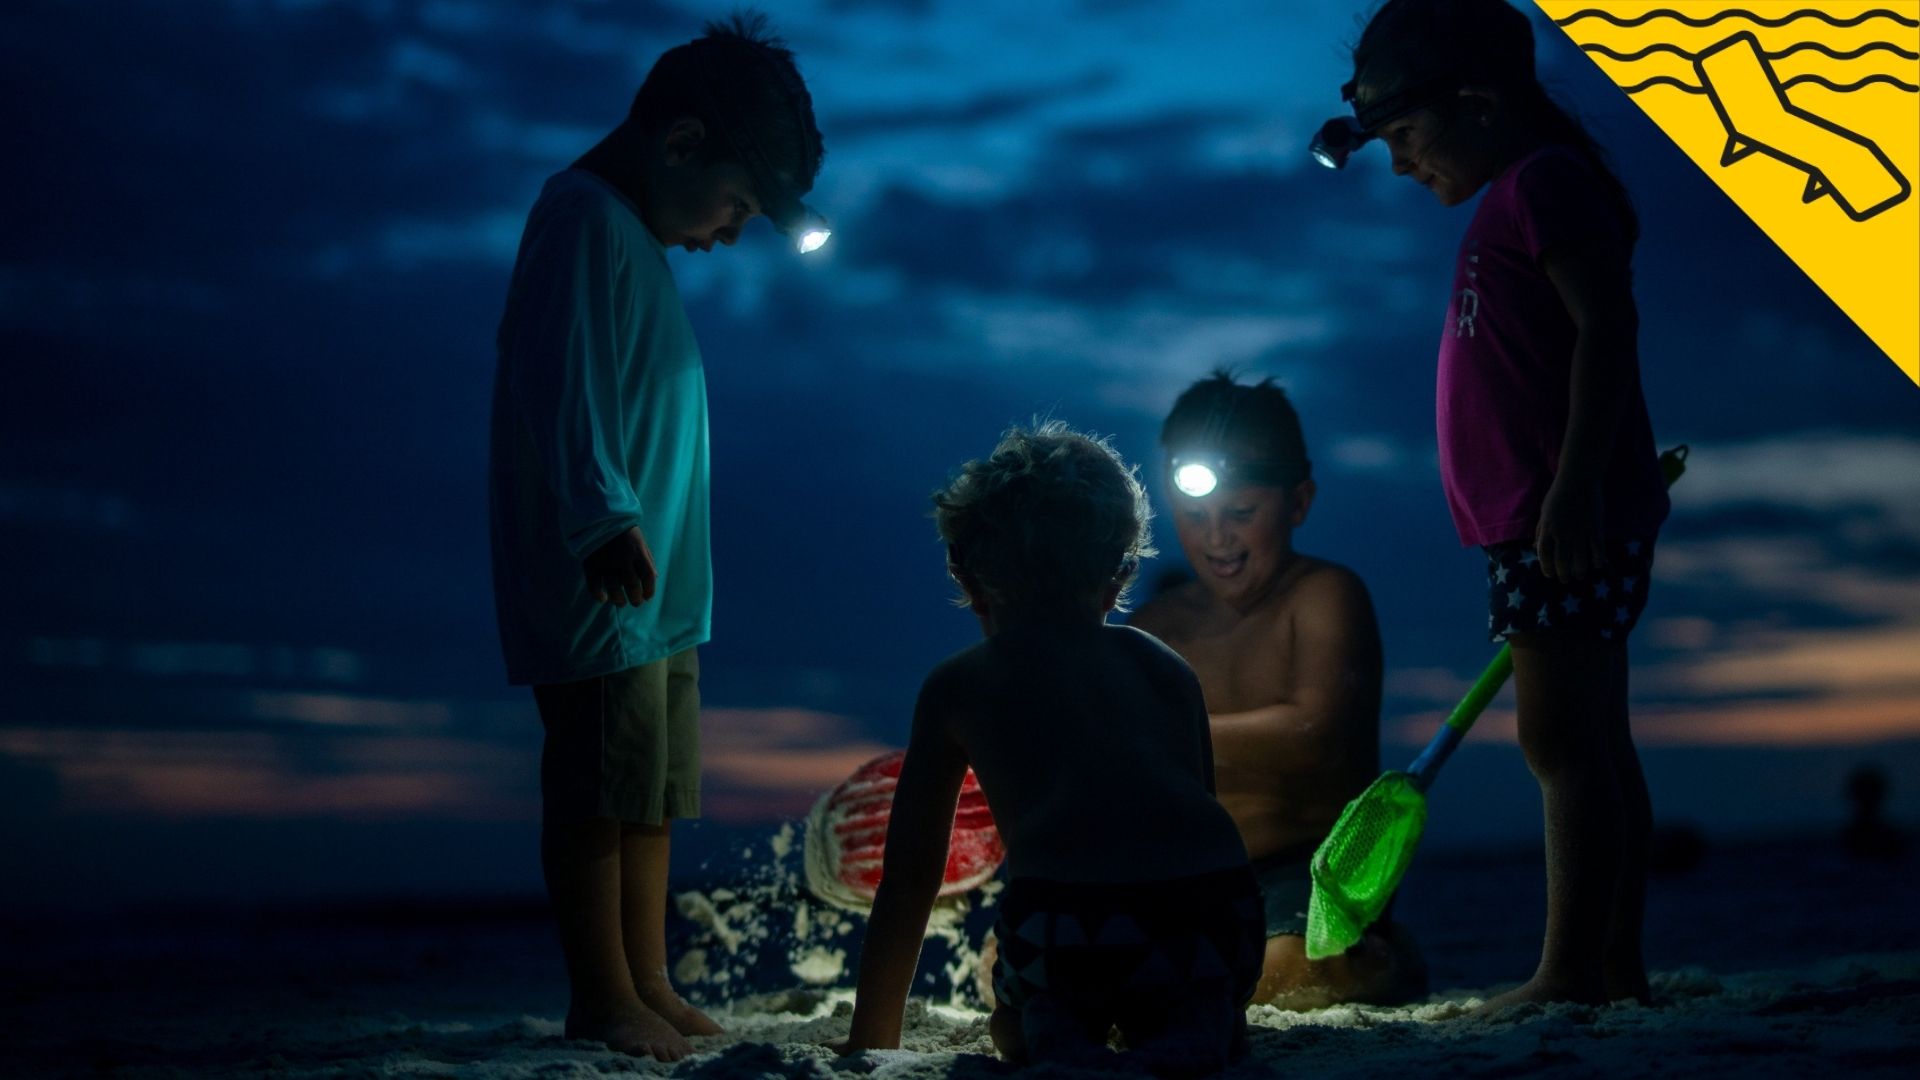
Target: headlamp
[(799, 222), (1197, 475), (1195, 478), (1339, 137), (779, 195), (1336, 141)]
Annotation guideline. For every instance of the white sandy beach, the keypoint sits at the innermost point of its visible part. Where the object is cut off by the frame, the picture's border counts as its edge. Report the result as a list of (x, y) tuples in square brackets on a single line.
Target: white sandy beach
[(1856, 1016), (1779, 959)]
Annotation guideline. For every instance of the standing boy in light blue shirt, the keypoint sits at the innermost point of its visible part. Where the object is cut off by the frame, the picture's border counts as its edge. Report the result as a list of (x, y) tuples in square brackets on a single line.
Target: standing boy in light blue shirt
[(599, 495)]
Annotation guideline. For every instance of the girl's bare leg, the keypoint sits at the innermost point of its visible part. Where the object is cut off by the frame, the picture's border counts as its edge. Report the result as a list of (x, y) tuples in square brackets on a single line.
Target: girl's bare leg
[(1567, 698), (1623, 968)]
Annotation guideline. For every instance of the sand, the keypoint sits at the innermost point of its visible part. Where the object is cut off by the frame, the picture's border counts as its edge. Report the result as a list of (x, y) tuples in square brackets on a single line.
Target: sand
[(1848, 1017), (1745, 985)]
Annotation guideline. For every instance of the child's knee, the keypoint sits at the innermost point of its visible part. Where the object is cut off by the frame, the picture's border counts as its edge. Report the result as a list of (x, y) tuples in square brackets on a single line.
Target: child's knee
[(1284, 967), (1562, 731), (1549, 750)]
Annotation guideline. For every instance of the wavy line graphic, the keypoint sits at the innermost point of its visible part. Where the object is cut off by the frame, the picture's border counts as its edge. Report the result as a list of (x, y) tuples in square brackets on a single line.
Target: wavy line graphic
[(1668, 13), (1691, 88), (1888, 46), (1848, 87), (1665, 80)]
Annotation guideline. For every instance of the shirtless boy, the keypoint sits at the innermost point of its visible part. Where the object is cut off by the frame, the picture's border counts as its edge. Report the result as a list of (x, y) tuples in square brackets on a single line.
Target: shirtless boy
[(1288, 654), (1131, 904)]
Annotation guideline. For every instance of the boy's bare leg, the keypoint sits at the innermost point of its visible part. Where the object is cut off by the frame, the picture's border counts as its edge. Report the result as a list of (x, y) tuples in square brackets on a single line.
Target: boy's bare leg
[(1384, 969), (1565, 706), (1624, 969), (582, 860), (644, 856)]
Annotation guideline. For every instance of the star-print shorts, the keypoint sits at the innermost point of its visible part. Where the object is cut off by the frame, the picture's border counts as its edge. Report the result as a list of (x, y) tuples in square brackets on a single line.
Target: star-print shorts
[(1606, 604)]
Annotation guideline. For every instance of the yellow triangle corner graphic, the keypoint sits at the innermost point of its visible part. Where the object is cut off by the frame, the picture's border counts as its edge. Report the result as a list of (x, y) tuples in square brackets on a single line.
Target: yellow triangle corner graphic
[(1806, 113)]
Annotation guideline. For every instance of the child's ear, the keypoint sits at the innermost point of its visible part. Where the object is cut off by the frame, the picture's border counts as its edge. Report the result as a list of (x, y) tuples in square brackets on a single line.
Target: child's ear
[(977, 600), (976, 596), (1300, 500), (683, 140)]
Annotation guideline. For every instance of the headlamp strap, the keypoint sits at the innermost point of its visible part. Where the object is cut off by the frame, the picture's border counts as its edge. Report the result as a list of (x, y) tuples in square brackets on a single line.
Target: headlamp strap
[(1399, 103)]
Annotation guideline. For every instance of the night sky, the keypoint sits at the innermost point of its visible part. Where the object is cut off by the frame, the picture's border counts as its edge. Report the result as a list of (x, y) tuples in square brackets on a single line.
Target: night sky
[(253, 258)]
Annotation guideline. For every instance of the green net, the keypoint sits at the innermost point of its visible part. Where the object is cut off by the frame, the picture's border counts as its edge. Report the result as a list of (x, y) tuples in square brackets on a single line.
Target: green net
[(1361, 862)]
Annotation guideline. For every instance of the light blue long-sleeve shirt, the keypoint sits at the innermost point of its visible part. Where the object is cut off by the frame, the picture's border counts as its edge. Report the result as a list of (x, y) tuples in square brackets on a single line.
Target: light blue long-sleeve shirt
[(599, 425)]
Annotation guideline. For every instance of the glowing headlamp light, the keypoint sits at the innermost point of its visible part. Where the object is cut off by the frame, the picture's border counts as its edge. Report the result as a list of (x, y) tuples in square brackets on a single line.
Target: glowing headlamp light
[(1339, 137), (1336, 141), (801, 223), (1197, 475), (1195, 478)]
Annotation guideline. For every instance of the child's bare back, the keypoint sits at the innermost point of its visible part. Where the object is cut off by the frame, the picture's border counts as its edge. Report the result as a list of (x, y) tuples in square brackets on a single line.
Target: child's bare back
[(1091, 744), (1131, 904)]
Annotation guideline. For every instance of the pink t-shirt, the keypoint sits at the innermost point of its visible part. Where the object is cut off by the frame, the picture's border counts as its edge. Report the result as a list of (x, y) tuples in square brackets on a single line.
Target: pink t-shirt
[(1506, 359)]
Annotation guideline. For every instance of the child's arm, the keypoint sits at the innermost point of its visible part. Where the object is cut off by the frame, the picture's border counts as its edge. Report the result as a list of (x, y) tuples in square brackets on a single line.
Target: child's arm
[(917, 835), (1597, 292), (562, 376), (1335, 697)]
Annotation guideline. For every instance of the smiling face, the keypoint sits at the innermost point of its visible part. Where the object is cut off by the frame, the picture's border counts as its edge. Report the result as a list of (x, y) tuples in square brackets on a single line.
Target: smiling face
[(1449, 148), (1239, 538)]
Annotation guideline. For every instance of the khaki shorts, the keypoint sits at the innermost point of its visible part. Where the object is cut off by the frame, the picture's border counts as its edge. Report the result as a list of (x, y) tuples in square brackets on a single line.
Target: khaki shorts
[(623, 746)]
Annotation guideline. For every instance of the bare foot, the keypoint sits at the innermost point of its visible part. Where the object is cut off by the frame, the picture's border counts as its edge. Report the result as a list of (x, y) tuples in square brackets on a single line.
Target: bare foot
[(687, 1020), (983, 973), (1539, 991), (1385, 968), (641, 1032)]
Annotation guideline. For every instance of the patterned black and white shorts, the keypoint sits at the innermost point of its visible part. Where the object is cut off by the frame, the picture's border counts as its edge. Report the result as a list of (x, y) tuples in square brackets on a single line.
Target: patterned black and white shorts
[(1606, 604)]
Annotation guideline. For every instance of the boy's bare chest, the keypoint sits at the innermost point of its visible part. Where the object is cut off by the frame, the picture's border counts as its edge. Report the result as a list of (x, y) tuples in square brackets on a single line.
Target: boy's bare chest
[(1244, 663)]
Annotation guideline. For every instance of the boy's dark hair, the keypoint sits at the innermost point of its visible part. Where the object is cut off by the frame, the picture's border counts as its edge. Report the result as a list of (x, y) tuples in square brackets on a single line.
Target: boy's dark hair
[(1254, 422), (1477, 42), (740, 80), (1050, 517)]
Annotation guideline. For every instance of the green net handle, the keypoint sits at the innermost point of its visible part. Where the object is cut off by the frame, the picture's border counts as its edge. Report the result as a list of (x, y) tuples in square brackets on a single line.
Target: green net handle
[(1498, 670)]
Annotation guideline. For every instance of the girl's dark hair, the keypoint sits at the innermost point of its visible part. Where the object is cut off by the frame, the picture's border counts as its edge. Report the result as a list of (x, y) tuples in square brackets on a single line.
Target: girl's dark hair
[(740, 80), (1477, 42)]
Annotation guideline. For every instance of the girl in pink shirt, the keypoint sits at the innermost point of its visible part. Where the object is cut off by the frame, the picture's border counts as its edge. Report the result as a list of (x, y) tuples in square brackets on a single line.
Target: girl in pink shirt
[(1546, 452)]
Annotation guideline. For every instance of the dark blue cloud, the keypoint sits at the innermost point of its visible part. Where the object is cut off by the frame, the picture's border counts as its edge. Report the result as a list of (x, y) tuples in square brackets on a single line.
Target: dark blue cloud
[(993, 107), (897, 7)]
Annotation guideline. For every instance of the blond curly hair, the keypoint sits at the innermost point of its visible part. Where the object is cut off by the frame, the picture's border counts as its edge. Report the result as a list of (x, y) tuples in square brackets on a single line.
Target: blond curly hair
[(1049, 517)]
